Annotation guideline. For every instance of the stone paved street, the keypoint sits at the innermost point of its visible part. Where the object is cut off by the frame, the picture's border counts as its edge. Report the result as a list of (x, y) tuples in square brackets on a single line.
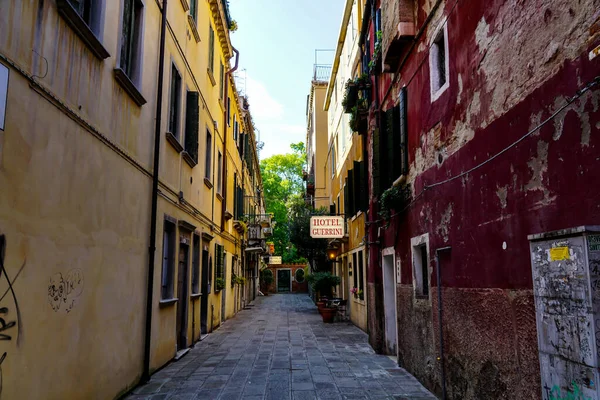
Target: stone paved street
[(281, 349)]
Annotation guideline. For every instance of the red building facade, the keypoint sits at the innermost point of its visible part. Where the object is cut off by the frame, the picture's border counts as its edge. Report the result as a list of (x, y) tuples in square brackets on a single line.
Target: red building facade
[(485, 118)]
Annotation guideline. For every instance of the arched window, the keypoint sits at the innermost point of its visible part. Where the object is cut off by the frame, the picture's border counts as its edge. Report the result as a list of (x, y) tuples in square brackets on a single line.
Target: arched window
[(299, 275)]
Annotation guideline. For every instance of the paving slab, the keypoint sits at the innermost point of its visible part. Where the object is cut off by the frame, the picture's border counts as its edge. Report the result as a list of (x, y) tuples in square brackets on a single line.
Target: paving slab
[(281, 349)]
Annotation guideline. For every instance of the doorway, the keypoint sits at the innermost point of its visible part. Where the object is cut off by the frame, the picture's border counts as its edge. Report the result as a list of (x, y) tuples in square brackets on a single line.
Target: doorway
[(182, 295), (205, 291), (389, 303), (284, 280)]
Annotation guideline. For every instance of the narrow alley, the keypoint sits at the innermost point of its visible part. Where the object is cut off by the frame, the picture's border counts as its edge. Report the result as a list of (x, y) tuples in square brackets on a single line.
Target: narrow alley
[(281, 349)]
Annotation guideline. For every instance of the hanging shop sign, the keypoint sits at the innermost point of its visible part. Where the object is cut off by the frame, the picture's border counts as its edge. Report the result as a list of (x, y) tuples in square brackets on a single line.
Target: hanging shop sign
[(326, 227)]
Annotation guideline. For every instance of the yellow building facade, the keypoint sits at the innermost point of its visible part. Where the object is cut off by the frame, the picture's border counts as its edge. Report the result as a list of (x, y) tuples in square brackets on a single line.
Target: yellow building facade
[(346, 166), (79, 83)]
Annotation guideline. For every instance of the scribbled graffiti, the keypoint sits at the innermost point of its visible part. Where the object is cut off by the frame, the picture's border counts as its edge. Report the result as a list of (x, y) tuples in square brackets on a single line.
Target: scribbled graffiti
[(573, 393), (63, 291), (7, 328)]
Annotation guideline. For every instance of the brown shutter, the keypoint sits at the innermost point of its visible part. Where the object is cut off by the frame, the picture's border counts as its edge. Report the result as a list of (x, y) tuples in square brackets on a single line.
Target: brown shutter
[(192, 115)]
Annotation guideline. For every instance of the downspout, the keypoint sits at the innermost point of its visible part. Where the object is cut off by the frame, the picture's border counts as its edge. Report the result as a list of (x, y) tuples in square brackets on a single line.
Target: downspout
[(224, 178), (152, 245), (439, 293)]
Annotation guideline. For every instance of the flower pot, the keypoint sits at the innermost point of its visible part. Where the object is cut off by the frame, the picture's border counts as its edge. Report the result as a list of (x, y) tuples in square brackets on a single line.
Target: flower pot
[(321, 305), (328, 313)]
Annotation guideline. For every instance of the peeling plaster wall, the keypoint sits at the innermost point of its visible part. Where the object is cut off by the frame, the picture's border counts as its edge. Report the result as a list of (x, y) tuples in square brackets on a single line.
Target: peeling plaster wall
[(512, 64)]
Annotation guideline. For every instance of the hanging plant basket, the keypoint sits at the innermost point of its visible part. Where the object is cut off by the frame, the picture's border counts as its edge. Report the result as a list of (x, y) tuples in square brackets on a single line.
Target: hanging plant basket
[(350, 96)]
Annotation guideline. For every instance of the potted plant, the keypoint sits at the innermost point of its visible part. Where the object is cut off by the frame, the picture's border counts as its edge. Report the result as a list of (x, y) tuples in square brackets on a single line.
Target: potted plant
[(361, 295), (323, 283), (393, 198), (219, 284), (354, 292)]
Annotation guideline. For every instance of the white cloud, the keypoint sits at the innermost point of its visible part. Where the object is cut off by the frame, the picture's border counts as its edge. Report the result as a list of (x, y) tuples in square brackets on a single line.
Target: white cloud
[(262, 104)]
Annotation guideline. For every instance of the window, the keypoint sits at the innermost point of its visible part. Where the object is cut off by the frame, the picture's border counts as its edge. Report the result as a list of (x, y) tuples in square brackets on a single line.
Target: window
[(168, 262), (85, 17), (174, 102), (196, 266), (3, 94), (355, 270), (420, 257), (219, 261), (299, 275), (361, 272), (235, 128), (221, 81), (208, 165), (439, 64), (228, 111), (211, 49), (192, 125), (219, 172), (131, 36), (194, 9), (332, 161)]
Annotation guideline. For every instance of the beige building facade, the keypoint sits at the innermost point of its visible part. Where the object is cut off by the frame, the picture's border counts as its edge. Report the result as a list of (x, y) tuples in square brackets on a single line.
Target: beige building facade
[(79, 83)]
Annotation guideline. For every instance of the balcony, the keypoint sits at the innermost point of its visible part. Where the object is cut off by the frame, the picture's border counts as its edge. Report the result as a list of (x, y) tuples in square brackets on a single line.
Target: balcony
[(398, 30), (322, 72)]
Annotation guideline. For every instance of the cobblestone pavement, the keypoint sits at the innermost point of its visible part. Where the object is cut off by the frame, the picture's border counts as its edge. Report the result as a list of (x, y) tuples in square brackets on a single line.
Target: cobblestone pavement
[(281, 349)]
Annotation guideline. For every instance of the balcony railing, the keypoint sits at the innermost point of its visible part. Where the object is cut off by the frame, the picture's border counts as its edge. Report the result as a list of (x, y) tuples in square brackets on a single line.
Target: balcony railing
[(322, 73)]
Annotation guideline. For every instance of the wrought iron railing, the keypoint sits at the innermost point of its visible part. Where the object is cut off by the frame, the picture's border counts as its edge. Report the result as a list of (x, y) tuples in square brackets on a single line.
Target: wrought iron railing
[(322, 73)]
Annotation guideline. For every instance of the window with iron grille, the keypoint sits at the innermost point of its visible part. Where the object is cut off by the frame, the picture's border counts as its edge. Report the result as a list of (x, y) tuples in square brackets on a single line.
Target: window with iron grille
[(219, 261)]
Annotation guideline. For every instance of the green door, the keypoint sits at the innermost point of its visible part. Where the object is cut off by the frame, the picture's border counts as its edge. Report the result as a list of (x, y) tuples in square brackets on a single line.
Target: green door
[(284, 280)]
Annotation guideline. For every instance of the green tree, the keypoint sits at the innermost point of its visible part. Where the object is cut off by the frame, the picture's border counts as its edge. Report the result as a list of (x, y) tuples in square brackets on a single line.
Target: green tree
[(282, 179), (315, 250)]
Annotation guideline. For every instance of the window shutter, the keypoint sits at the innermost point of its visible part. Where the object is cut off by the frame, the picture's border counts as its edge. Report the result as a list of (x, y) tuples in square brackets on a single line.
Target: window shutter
[(351, 203), (245, 149), (376, 162), (388, 167), (346, 200), (403, 111), (358, 188), (192, 123), (229, 111)]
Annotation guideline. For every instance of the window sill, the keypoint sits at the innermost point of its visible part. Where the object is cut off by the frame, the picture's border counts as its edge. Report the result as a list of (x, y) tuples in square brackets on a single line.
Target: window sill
[(208, 183), (359, 301), (74, 20), (211, 76), (185, 5), (219, 197), (129, 87), (195, 296), (189, 160), (221, 104), (167, 302), (174, 142), (193, 27)]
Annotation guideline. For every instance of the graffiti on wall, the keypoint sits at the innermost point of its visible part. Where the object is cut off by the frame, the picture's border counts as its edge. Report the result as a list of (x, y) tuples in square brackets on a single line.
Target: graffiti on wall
[(7, 328), (575, 392), (64, 291)]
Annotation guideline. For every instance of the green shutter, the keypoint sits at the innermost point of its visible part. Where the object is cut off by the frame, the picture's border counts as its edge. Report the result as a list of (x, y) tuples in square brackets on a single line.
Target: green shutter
[(346, 200), (403, 111), (192, 123), (358, 188), (376, 163), (351, 203)]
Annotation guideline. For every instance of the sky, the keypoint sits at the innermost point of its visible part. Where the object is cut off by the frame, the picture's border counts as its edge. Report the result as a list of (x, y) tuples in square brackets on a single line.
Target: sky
[(277, 40)]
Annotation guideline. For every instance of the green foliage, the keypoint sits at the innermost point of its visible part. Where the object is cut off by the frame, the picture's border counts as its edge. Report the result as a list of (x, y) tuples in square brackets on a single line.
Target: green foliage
[(219, 284), (237, 280), (266, 276), (299, 230), (233, 25), (393, 198), (282, 179), (323, 282)]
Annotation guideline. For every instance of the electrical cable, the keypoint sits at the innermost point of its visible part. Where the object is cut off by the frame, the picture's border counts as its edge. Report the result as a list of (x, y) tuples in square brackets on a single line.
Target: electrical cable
[(570, 100)]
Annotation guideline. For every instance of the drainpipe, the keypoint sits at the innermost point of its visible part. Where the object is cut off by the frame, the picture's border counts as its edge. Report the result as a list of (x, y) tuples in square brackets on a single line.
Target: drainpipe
[(439, 293), (224, 178), (152, 245)]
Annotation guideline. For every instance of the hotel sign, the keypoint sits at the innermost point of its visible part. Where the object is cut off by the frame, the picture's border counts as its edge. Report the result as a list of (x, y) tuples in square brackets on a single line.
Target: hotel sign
[(326, 227)]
